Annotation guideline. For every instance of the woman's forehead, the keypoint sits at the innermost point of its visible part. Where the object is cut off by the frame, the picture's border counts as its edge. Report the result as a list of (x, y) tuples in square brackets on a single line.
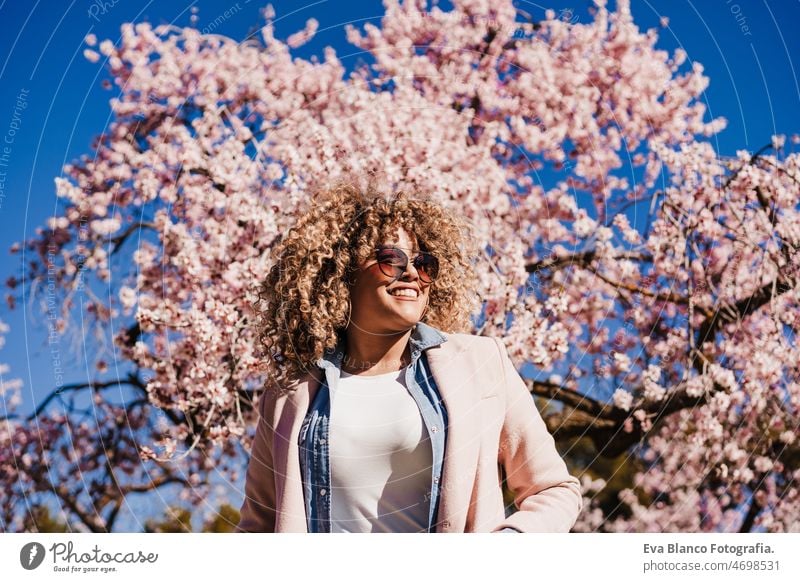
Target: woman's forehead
[(401, 239), (413, 249)]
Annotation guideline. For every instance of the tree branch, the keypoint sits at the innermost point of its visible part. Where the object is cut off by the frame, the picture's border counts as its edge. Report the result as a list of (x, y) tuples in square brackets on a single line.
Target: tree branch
[(153, 484), (130, 380), (581, 259), (730, 313), (119, 239), (752, 511), (93, 522)]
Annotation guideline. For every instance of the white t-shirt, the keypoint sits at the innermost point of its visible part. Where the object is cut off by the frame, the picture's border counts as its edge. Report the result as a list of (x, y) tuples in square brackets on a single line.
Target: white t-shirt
[(381, 456)]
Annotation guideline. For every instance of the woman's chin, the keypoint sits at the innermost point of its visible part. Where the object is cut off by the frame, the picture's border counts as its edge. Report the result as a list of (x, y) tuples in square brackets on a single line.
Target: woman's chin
[(408, 315), (408, 309)]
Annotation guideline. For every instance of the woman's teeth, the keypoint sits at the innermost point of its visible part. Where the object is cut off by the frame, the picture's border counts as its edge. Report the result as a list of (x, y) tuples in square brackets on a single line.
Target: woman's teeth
[(404, 292)]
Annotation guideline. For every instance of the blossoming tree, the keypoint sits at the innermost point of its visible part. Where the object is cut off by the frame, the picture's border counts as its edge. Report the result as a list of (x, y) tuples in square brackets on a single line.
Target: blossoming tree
[(668, 341)]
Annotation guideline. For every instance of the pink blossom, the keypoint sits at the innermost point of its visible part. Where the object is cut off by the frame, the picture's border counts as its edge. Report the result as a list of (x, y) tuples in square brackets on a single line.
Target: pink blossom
[(156, 219)]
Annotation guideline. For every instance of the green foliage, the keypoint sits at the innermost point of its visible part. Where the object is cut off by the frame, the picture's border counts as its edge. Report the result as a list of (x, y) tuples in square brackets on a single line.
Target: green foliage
[(39, 520), (176, 520), (179, 520), (582, 458), (224, 521)]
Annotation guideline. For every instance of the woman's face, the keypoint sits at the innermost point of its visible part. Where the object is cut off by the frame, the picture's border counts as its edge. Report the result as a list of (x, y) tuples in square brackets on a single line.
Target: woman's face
[(374, 308)]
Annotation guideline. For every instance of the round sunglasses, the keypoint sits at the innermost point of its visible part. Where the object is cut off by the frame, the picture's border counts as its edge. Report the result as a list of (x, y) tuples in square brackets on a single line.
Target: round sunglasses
[(393, 263)]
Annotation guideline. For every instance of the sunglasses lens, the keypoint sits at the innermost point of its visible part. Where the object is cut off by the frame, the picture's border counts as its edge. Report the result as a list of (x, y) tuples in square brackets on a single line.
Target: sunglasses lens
[(393, 263), (427, 266)]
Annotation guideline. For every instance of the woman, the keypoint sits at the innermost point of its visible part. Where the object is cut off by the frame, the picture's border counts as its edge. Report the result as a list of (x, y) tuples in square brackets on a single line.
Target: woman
[(377, 420)]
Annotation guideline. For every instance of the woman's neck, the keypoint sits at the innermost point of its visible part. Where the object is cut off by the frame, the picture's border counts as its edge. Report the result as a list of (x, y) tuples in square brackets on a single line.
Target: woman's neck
[(370, 354)]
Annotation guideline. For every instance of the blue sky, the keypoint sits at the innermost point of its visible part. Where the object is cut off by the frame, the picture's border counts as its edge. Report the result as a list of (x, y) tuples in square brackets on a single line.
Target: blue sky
[(748, 49)]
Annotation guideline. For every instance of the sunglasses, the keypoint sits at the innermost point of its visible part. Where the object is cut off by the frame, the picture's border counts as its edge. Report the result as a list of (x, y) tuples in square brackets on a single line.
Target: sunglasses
[(393, 263)]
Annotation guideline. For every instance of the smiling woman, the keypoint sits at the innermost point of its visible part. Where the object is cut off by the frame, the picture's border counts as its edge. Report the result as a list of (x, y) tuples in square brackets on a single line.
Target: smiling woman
[(390, 293), (327, 271), (381, 413)]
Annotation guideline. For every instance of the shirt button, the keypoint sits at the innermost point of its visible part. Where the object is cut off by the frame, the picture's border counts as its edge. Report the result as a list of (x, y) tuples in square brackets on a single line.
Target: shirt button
[(435, 428), (436, 479), (323, 491), (322, 441)]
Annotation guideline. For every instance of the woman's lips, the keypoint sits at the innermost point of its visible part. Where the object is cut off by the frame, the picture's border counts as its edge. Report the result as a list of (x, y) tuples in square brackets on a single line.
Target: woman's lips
[(403, 297)]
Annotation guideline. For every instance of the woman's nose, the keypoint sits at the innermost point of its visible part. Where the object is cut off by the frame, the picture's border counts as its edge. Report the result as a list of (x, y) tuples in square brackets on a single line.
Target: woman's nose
[(410, 271)]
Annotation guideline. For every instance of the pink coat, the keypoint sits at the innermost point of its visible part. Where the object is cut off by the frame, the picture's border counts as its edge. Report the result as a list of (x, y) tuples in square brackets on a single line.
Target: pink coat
[(492, 421)]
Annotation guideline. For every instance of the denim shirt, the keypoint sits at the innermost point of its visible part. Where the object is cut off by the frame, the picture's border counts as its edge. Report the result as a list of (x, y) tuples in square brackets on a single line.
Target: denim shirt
[(314, 442)]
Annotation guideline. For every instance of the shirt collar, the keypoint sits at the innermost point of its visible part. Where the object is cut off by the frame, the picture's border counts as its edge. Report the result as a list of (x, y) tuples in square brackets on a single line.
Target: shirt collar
[(423, 336)]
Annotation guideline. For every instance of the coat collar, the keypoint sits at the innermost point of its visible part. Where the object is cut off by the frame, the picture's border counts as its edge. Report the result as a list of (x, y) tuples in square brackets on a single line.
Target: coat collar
[(423, 336), (454, 377)]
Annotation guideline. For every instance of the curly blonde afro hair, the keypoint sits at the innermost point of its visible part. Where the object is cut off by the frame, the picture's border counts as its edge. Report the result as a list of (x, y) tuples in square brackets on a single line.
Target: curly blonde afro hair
[(304, 301)]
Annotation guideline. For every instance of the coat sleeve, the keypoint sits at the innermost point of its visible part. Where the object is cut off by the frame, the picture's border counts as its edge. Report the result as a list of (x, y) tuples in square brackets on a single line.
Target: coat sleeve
[(547, 496), (258, 510)]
